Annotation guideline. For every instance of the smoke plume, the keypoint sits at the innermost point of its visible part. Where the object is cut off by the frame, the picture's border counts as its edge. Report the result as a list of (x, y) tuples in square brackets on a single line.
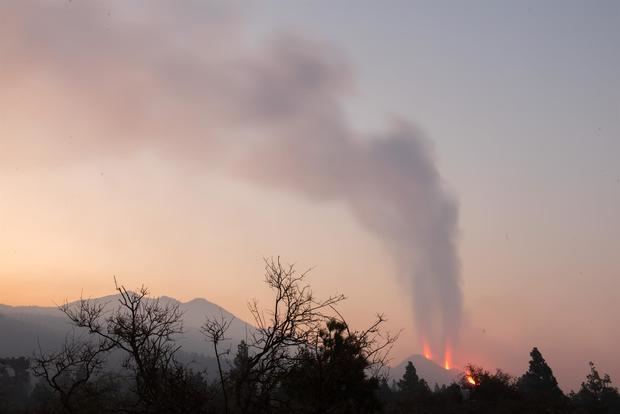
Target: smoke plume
[(185, 80)]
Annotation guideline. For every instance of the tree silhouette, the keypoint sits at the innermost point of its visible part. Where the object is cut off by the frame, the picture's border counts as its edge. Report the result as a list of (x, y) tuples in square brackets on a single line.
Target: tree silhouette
[(242, 378), (488, 387), (330, 375), (69, 371), (597, 395), (299, 331), (413, 392), (214, 330), (294, 320), (409, 382), (143, 329), (539, 386)]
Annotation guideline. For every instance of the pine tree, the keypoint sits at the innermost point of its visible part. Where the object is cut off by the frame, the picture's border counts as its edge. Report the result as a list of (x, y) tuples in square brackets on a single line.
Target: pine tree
[(409, 382), (539, 385), (413, 389)]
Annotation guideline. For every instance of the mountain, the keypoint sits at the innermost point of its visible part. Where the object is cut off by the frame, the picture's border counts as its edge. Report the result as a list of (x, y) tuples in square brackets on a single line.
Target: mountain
[(24, 328), (427, 369)]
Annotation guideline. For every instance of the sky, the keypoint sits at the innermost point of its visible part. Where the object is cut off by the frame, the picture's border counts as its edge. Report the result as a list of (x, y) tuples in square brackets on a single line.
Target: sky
[(176, 146)]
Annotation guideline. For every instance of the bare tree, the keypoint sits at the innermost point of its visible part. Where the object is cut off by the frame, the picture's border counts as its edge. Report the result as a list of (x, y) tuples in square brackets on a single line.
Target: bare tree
[(294, 319), (376, 345), (71, 368), (143, 328), (215, 331)]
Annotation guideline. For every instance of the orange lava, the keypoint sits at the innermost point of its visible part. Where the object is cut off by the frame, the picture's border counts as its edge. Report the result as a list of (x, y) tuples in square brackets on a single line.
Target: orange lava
[(470, 379), (447, 359), (427, 351)]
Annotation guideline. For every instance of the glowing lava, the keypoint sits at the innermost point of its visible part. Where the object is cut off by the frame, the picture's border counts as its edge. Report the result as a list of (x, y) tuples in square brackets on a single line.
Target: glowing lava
[(470, 379), (427, 351), (447, 359)]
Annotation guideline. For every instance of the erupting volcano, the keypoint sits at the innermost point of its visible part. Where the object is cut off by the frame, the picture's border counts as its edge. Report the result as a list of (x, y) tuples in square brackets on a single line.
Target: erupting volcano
[(298, 140), (447, 355), (447, 358), (427, 351)]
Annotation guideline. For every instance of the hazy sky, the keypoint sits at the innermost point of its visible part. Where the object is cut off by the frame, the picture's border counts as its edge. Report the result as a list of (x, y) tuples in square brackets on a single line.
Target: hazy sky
[(105, 169)]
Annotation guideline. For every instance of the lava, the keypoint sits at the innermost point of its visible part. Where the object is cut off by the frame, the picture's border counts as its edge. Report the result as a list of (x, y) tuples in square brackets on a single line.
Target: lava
[(427, 351), (447, 359)]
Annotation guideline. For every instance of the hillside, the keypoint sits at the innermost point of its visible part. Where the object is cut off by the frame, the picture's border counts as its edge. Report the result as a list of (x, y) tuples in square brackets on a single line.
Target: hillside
[(426, 369), (25, 327)]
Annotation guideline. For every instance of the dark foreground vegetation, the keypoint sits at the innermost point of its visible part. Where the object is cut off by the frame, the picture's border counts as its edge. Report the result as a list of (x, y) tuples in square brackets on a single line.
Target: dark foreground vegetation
[(302, 358)]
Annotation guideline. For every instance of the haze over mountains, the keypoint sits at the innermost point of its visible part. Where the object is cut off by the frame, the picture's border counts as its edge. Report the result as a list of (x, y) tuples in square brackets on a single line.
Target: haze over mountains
[(24, 328)]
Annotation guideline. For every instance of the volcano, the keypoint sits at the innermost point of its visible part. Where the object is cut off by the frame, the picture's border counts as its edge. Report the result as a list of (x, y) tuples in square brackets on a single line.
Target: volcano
[(427, 369)]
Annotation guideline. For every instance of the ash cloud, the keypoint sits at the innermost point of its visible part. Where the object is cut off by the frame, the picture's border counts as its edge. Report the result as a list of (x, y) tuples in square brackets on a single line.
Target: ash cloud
[(86, 80)]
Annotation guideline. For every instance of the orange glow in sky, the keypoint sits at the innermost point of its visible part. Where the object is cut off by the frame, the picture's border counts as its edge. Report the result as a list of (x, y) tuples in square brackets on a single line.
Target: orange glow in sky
[(114, 162), (427, 351), (447, 364)]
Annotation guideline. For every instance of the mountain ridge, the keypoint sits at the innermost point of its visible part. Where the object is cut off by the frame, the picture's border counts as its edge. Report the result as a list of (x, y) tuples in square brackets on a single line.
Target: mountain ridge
[(427, 369), (24, 328)]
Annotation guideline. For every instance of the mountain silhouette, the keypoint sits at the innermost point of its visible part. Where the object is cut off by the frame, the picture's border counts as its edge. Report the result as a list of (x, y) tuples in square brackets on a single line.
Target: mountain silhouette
[(25, 328), (427, 369)]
